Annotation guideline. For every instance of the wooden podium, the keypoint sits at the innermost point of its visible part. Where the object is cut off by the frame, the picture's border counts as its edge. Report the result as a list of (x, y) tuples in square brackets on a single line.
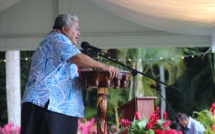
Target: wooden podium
[(144, 106), (90, 78)]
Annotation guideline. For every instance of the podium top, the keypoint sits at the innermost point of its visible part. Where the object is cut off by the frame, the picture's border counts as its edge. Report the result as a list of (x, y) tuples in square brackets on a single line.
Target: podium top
[(93, 78)]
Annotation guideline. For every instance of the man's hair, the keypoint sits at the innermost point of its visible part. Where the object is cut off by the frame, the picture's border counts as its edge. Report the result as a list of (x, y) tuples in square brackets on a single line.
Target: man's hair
[(182, 116), (64, 19)]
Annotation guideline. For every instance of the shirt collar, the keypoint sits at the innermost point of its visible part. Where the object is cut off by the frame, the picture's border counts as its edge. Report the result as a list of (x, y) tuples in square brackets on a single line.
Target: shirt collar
[(64, 37), (189, 123)]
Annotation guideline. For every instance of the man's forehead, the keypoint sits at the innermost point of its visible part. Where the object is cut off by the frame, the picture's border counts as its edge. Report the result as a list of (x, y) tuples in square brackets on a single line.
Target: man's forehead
[(75, 23)]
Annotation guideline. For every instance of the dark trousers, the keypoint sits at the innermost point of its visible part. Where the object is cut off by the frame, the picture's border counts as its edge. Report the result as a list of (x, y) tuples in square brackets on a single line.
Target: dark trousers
[(38, 120)]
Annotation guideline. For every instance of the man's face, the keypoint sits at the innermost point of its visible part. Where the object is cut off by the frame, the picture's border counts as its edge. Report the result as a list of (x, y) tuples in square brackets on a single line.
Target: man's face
[(183, 123), (73, 32)]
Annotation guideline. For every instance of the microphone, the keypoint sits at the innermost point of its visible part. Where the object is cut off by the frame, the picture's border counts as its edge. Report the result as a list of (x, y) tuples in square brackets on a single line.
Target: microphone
[(85, 51), (86, 45)]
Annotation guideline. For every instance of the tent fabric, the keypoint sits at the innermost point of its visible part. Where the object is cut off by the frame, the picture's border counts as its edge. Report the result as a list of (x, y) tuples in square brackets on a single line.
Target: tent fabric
[(193, 17)]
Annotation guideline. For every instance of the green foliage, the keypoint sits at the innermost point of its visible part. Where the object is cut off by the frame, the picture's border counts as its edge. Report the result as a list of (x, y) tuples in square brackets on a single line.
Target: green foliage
[(116, 97), (90, 112), (158, 125), (137, 127), (207, 119), (174, 68), (150, 61), (196, 84)]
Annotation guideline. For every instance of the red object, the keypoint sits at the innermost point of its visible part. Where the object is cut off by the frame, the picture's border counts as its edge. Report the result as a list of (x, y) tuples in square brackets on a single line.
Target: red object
[(213, 127), (212, 107), (164, 115), (166, 124), (125, 122), (137, 115)]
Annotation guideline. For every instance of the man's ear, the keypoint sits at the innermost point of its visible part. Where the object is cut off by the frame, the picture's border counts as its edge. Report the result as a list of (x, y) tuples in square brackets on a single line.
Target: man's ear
[(64, 29)]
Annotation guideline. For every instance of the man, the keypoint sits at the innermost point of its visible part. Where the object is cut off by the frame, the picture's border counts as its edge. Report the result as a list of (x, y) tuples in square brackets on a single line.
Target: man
[(52, 101), (189, 125)]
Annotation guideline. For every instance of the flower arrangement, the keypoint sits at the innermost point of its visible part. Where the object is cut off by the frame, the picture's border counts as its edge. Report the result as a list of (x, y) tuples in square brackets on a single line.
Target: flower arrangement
[(86, 127), (10, 128), (207, 118), (144, 126)]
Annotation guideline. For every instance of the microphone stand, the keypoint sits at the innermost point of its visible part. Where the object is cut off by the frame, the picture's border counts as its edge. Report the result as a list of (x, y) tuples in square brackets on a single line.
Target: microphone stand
[(158, 90), (176, 117), (134, 72)]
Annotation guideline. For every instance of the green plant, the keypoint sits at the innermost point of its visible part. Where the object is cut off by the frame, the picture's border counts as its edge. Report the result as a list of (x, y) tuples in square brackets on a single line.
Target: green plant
[(207, 118), (144, 126)]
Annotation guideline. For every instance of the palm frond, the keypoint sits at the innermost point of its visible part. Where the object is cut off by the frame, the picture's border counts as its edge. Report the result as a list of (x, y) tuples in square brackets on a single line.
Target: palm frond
[(207, 119)]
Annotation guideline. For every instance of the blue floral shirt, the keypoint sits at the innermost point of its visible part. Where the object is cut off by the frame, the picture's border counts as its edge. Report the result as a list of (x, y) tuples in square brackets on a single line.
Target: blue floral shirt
[(52, 77)]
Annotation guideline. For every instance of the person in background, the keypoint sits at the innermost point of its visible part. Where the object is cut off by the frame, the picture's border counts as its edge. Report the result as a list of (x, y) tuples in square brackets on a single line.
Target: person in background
[(52, 101), (174, 125), (189, 125)]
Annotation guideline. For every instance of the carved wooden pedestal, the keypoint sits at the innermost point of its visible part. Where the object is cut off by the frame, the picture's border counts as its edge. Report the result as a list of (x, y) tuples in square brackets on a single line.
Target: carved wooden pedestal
[(101, 110), (101, 81)]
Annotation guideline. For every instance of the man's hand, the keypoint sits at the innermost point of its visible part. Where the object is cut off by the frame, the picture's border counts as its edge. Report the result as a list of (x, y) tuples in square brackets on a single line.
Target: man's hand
[(113, 71)]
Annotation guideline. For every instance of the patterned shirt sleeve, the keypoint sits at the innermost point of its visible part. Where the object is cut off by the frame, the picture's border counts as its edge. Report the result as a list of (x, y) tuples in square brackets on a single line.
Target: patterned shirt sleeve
[(64, 51)]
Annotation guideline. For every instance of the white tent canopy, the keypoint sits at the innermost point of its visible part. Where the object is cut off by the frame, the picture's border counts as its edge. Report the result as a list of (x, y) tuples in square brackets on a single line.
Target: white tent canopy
[(109, 23), (195, 17)]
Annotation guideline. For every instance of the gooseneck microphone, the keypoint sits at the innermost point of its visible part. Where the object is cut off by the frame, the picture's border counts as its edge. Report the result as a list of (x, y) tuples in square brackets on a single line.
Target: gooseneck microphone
[(86, 45)]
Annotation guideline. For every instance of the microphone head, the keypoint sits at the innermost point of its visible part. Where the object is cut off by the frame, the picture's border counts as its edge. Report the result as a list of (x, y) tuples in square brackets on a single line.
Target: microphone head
[(85, 45)]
